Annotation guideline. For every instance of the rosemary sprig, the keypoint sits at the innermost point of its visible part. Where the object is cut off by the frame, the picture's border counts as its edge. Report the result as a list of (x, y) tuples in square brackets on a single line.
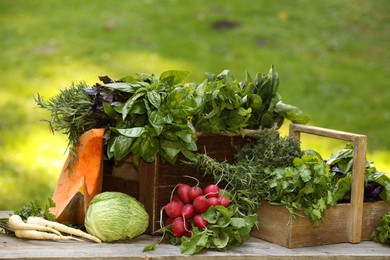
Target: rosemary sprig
[(71, 113)]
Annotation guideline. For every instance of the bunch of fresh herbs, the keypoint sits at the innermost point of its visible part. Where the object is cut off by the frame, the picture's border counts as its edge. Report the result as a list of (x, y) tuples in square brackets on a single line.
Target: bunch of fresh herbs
[(377, 184), (145, 115), (307, 186), (248, 176)]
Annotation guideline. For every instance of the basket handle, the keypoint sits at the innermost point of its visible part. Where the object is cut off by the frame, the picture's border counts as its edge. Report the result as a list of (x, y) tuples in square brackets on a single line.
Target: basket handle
[(358, 172)]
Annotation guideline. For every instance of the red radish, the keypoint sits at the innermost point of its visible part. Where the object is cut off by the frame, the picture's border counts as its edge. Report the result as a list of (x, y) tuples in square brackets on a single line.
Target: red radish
[(224, 201), (201, 204), (168, 221), (176, 198), (178, 228), (188, 211), (182, 191), (211, 190), (173, 209), (199, 221), (213, 201), (188, 233), (194, 192)]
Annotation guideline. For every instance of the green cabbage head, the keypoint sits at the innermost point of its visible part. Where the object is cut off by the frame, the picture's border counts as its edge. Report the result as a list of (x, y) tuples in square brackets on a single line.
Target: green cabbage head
[(113, 216)]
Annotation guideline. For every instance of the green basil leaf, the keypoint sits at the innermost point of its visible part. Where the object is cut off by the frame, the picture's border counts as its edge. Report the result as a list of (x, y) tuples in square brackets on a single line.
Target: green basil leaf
[(174, 76), (110, 111), (171, 148), (154, 98), (292, 113), (123, 87), (129, 132), (149, 148), (121, 146), (129, 103)]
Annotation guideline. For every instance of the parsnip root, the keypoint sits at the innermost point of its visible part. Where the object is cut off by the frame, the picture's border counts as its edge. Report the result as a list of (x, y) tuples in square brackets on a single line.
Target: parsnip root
[(62, 228), (17, 223), (34, 234)]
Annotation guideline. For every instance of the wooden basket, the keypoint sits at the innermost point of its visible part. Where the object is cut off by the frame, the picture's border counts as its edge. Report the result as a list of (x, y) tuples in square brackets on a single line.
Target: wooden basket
[(348, 222), (152, 183)]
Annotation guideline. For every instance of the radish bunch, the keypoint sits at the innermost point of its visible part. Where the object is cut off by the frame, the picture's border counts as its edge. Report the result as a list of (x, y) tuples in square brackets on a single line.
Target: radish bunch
[(185, 208)]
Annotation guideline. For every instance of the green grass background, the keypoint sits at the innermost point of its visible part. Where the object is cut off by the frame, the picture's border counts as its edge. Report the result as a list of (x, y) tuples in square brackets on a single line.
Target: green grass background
[(332, 57)]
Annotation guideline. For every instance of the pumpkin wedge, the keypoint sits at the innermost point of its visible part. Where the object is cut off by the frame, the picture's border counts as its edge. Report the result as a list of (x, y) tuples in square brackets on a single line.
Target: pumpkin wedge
[(79, 182)]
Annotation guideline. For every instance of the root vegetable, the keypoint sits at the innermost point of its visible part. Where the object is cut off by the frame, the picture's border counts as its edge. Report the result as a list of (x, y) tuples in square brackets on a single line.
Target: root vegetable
[(173, 209), (224, 201), (199, 221), (178, 229), (194, 192), (35, 234), (213, 201), (182, 191), (188, 211), (17, 224), (62, 228), (201, 204), (211, 190)]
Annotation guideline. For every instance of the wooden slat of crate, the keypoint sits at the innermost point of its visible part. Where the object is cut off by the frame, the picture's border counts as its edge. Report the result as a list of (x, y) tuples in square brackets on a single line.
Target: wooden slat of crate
[(372, 214), (278, 226)]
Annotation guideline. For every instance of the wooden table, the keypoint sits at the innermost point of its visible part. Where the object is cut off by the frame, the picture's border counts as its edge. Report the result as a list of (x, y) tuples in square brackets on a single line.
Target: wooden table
[(14, 248)]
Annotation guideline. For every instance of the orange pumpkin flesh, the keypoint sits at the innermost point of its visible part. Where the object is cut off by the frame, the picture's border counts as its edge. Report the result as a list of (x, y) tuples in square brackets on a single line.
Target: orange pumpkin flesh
[(80, 182)]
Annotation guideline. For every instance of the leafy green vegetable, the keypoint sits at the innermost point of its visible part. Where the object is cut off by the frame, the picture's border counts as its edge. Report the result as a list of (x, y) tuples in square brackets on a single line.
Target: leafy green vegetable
[(226, 228), (307, 185), (377, 184), (382, 233), (113, 216)]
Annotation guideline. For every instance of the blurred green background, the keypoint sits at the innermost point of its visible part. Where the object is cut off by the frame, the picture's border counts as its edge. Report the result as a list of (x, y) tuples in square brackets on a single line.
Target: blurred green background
[(332, 57)]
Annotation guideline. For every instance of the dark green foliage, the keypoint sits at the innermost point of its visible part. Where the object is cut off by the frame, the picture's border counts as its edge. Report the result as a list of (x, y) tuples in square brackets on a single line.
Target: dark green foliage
[(270, 150), (382, 232)]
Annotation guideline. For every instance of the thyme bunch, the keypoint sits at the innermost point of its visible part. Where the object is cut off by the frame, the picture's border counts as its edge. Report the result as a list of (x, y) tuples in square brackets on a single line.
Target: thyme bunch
[(270, 150)]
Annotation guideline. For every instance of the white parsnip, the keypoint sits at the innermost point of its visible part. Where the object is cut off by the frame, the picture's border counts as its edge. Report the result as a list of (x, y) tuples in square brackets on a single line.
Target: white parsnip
[(40, 235), (62, 228), (17, 223)]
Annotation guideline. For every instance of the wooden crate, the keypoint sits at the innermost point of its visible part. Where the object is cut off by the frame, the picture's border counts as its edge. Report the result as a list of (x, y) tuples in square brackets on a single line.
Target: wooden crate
[(348, 222), (152, 183)]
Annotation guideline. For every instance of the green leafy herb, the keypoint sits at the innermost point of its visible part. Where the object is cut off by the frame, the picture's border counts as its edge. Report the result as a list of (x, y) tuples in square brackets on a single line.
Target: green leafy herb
[(307, 185), (377, 184), (34, 208), (382, 233), (71, 113)]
